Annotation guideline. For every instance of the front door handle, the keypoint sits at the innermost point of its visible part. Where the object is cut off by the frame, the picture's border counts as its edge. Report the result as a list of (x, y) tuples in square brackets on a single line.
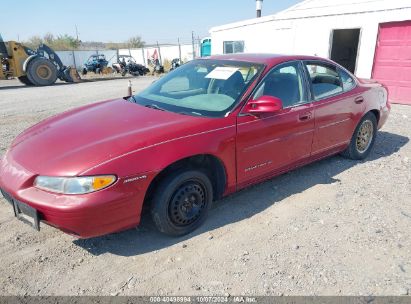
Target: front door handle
[(359, 99), (305, 116)]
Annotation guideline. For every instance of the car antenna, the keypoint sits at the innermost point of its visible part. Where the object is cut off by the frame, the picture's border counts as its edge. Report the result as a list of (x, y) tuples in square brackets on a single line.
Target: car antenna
[(130, 89)]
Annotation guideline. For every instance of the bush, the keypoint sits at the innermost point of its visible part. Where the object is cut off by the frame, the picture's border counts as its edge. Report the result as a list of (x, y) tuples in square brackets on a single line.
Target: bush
[(59, 43)]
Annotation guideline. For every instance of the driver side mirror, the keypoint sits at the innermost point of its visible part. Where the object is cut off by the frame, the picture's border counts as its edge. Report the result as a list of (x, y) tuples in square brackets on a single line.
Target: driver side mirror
[(264, 104)]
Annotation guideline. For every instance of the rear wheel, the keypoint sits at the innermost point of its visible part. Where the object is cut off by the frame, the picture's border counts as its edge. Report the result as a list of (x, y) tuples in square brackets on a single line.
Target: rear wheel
[(41, 72), (181, 202), (363, 138), (25, 80)]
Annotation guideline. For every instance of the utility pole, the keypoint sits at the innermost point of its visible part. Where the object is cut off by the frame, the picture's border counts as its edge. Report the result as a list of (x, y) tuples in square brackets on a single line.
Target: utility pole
[(74, 59), (144, 57), (159, 54), (179, 49), (76, 32), (77, 44), (192, 41), (199, 46)]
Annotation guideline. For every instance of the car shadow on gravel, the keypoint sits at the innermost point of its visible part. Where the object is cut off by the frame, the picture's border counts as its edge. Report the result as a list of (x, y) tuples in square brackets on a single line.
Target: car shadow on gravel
[(241, 205)]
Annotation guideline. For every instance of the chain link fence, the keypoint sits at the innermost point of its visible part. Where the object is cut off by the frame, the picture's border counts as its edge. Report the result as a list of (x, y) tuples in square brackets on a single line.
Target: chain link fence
[(164, 53)]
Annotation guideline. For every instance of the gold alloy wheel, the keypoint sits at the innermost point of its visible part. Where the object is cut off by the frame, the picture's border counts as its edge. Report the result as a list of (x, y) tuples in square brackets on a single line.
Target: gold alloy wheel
[(364, 136), (43, 71)]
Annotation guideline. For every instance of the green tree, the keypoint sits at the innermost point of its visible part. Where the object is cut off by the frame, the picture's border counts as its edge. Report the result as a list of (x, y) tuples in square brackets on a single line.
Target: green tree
[(59, 43), (135, 42), (48, 38), (34, 42)]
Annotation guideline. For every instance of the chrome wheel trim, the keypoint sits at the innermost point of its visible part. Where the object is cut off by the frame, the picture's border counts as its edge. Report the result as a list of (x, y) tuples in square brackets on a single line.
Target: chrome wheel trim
[(364, 136)]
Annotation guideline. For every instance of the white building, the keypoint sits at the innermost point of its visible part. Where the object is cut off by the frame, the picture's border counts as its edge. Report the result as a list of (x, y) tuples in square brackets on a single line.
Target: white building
[(372, 38)]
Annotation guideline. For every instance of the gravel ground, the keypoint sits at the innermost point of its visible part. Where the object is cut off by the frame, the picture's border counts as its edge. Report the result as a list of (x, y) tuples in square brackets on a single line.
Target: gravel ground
[(335, 227)]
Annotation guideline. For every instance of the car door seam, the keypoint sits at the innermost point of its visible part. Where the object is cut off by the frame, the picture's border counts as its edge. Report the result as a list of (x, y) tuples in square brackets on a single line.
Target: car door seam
[(333, 123), (277, 139)]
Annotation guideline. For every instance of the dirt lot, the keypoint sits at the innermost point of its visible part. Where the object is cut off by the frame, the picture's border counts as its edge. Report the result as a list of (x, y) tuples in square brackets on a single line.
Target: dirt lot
[(336, 227)]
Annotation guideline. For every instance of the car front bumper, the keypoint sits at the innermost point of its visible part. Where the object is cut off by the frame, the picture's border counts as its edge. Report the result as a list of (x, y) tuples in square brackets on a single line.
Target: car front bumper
[(86, 216), (384, 113), (113, 209)]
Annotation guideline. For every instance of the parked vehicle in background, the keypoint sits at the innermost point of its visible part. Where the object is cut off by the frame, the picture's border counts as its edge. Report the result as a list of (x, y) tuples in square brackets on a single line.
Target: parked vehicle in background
[(126, 64), (95, 63), (210, 128), (40, 67), (158, 68), (175, 63)]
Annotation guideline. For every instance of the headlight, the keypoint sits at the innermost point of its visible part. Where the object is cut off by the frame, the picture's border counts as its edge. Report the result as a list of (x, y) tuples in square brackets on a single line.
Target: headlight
[(74, 185)]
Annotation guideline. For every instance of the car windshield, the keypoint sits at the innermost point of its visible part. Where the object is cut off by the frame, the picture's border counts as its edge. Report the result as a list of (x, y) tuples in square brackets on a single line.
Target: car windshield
[(201, 87)]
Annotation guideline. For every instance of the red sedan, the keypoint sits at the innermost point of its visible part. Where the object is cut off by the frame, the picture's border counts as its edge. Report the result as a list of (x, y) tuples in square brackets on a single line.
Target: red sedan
[(209, 128)]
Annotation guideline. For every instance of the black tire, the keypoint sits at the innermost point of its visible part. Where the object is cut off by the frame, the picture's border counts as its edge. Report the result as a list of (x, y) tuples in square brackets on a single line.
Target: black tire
[(361, 143), (41, 72), (181, 202), (25, 80), (84, 71)]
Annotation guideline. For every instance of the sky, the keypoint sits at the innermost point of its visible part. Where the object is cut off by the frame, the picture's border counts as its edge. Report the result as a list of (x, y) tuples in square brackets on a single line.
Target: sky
[(117, 20)]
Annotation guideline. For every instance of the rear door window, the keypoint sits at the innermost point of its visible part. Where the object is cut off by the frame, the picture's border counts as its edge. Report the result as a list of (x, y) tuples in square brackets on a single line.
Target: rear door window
[(325, 79)]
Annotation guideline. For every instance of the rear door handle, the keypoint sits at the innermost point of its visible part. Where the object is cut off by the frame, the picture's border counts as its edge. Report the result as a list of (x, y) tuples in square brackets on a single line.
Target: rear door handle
[(359, 99), (305, 116)]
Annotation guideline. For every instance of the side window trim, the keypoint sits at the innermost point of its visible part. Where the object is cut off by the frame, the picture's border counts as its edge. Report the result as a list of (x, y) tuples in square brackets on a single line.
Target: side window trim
[(324, 63), (339, 69), (307, 81)]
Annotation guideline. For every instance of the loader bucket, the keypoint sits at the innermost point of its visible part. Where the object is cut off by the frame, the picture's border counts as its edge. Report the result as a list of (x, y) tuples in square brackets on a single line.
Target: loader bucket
[(74, 75), (71, 75)]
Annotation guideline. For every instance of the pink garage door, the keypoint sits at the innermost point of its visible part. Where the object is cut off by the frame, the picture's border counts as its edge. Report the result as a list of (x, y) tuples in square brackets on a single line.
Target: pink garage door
[(392, 62)]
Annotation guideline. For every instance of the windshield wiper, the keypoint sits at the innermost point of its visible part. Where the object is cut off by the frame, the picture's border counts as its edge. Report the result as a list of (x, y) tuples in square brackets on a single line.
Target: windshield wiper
[(190, 113), (154, 106), (132, 97)]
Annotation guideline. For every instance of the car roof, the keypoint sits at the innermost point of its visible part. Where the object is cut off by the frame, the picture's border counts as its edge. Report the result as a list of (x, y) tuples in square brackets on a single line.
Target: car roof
[(267, 59)]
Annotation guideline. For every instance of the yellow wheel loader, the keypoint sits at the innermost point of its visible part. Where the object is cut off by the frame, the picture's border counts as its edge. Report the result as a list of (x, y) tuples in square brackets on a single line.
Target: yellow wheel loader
[(41, 67)]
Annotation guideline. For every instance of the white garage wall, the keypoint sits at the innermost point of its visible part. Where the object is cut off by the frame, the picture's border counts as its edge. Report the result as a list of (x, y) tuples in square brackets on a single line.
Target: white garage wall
[(306, 29)]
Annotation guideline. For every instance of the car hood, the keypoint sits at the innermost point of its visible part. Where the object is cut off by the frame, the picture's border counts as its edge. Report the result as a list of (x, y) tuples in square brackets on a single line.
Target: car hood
[(70, 143)]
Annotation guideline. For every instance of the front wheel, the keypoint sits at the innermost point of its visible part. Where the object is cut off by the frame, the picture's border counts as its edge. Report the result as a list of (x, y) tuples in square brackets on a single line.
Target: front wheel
[(181, 202), (25, 80), (363, 138), (41, 72)]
